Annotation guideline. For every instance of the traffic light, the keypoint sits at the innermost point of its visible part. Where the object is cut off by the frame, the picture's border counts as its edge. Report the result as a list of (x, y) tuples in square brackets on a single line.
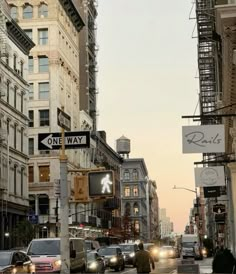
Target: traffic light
[(81, 188), (101, 183)]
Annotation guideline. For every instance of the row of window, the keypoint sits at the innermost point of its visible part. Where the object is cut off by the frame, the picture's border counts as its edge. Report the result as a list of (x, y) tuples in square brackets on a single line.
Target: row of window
[(42, 35), (43, 91), (127, 175), (28, 11), (44, 119), (17, 64), (43, 64), (128, 209), (131, 191)]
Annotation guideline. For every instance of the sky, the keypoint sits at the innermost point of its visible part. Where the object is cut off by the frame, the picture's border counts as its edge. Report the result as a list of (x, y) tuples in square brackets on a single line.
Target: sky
[(147, 81)]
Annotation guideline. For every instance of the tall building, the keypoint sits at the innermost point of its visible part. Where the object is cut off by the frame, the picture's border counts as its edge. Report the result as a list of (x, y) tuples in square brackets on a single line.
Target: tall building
[(53, 69), (87, 62), (166, 226), (154, 213), (14, 49)]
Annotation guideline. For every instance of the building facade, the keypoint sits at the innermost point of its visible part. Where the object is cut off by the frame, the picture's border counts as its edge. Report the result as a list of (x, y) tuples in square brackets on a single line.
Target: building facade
[(53, 74), (14, 49)]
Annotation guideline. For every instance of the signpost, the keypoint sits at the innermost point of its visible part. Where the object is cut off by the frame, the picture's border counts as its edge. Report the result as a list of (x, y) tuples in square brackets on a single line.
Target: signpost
[(73, 139)]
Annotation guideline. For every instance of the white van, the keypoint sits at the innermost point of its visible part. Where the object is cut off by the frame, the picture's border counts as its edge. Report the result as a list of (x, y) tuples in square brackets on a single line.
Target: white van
[(46, 255)]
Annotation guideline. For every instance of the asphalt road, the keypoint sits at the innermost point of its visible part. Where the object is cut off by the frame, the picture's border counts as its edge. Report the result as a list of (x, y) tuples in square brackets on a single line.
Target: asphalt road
[(163, 266)]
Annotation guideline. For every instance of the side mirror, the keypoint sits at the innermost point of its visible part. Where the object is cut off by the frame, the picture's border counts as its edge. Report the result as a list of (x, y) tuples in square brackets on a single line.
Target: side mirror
[(73, 254), (19, 263)]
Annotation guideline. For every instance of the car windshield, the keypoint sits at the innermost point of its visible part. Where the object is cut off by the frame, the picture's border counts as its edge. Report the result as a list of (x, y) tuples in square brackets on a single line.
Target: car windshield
[(47, 247), (5, 258), (107, 251), (188, 244), (91, 256), (126, 248)]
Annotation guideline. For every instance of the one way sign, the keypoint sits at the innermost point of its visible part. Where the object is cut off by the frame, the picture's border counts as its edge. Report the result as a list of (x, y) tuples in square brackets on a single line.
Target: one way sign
[(74, 139)]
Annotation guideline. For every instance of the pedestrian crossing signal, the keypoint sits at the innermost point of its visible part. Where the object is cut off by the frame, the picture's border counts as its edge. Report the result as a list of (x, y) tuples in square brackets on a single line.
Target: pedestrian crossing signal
[(101, 183)]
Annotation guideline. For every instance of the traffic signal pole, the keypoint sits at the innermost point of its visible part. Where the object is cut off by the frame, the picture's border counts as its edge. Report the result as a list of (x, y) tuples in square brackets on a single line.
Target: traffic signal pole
[(64, 210)]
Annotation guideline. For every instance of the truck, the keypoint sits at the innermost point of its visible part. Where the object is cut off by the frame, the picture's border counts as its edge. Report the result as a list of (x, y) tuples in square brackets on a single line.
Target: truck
[(190, 246)]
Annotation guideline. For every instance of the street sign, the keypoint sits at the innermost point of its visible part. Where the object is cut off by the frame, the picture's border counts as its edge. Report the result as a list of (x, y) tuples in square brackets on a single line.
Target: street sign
[(63, 120), (73, 139), (101, 183), (33, 219), (57, 188)]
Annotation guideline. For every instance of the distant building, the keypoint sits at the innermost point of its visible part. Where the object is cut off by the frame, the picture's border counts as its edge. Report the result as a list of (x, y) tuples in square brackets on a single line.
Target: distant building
[(166, 226)]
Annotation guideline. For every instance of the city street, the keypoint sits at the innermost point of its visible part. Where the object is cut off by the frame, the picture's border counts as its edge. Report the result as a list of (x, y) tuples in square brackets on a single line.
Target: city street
[(170, 266)]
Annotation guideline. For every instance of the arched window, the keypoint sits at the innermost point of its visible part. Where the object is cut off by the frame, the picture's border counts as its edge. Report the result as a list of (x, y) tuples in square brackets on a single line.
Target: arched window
[(135, 191), (126, 175), (136, 209), (135, 174), (27, 11), (13, 12), (127, 209), (43, 11), (127, 191)]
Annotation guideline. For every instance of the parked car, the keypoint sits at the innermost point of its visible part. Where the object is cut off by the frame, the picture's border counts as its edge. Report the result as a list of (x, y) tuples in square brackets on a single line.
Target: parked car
[(113, 256), (129, 251), (153, 249), (167, 252), (45, 253), (14, 261), (95, 263)]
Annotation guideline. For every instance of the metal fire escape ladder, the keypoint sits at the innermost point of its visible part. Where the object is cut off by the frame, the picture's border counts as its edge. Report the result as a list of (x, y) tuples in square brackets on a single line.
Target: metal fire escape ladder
[(206, 58)]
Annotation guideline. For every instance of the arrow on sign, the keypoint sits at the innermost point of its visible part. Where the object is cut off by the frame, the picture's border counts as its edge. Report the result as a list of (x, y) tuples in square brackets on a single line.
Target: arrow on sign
[(48, 141), (51, 141)]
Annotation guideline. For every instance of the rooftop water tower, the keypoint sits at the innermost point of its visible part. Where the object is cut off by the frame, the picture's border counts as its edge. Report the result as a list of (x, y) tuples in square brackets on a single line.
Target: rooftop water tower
[(123, 146)]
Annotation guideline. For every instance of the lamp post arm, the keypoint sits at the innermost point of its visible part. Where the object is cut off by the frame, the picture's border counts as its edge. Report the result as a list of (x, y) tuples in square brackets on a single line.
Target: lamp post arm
[(188, 189)]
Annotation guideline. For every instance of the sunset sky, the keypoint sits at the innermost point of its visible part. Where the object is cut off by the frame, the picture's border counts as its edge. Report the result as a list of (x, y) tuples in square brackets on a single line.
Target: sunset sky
[(147, 80)]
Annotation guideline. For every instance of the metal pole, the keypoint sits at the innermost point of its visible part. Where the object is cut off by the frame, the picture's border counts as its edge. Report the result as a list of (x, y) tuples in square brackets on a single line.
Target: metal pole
[(64, 210)]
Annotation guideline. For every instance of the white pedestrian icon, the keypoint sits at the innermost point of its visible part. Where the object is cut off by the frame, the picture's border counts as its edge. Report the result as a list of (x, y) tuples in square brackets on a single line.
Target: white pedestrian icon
[(106, 182)]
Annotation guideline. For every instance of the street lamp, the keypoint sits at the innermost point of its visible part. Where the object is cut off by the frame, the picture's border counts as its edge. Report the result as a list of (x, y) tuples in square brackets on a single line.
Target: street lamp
[(197, 203)]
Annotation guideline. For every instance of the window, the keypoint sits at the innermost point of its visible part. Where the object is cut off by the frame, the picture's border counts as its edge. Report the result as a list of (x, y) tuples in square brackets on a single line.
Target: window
[(15, 96), (31, 174), (43, 64), (31, 146), (22, 101), (127, 191), (43, 36), (31, 64), (44, 174), (44, 91), (135, 191), (14, 61), (8, 126), (15, 173), (7, 58), (136, 209), (8, 91), (135, 174), (29, 33), (21, 68), (136, 226), (31, 91), (126, 175), (14, 12), (43, 204), (27, 11), (22, 181), (43, 11), (15, 135), (44, 117), (22, 140), (31, 118), (127, 209)]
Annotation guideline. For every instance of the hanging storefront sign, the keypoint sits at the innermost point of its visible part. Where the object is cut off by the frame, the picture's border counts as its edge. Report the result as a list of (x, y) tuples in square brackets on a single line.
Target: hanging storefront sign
[(209, 176), (203, 139), (211, 192)]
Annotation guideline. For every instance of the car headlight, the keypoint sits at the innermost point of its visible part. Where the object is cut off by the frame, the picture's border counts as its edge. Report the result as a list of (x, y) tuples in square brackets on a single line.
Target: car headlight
[(162, 254), (132, 254), (32, 268), (14, 270), (113, 260), (57, 263), (92, 265), (155, 251), (171, 252)]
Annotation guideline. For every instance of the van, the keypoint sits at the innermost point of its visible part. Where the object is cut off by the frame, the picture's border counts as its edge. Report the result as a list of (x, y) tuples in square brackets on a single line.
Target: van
[(45, 253), (188, 242)]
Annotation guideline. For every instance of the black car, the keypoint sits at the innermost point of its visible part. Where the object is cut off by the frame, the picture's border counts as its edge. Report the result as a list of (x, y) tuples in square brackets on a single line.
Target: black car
[(13, 261), (95, 263), (129, 250), (113, 257)]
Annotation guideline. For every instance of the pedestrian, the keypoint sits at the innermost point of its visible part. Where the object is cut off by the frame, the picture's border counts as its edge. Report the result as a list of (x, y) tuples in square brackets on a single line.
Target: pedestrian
[(143, 260), (224, 262)]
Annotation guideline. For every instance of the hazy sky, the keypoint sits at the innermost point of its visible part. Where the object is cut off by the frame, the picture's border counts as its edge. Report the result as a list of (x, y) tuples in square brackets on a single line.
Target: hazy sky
[(147, 64)]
